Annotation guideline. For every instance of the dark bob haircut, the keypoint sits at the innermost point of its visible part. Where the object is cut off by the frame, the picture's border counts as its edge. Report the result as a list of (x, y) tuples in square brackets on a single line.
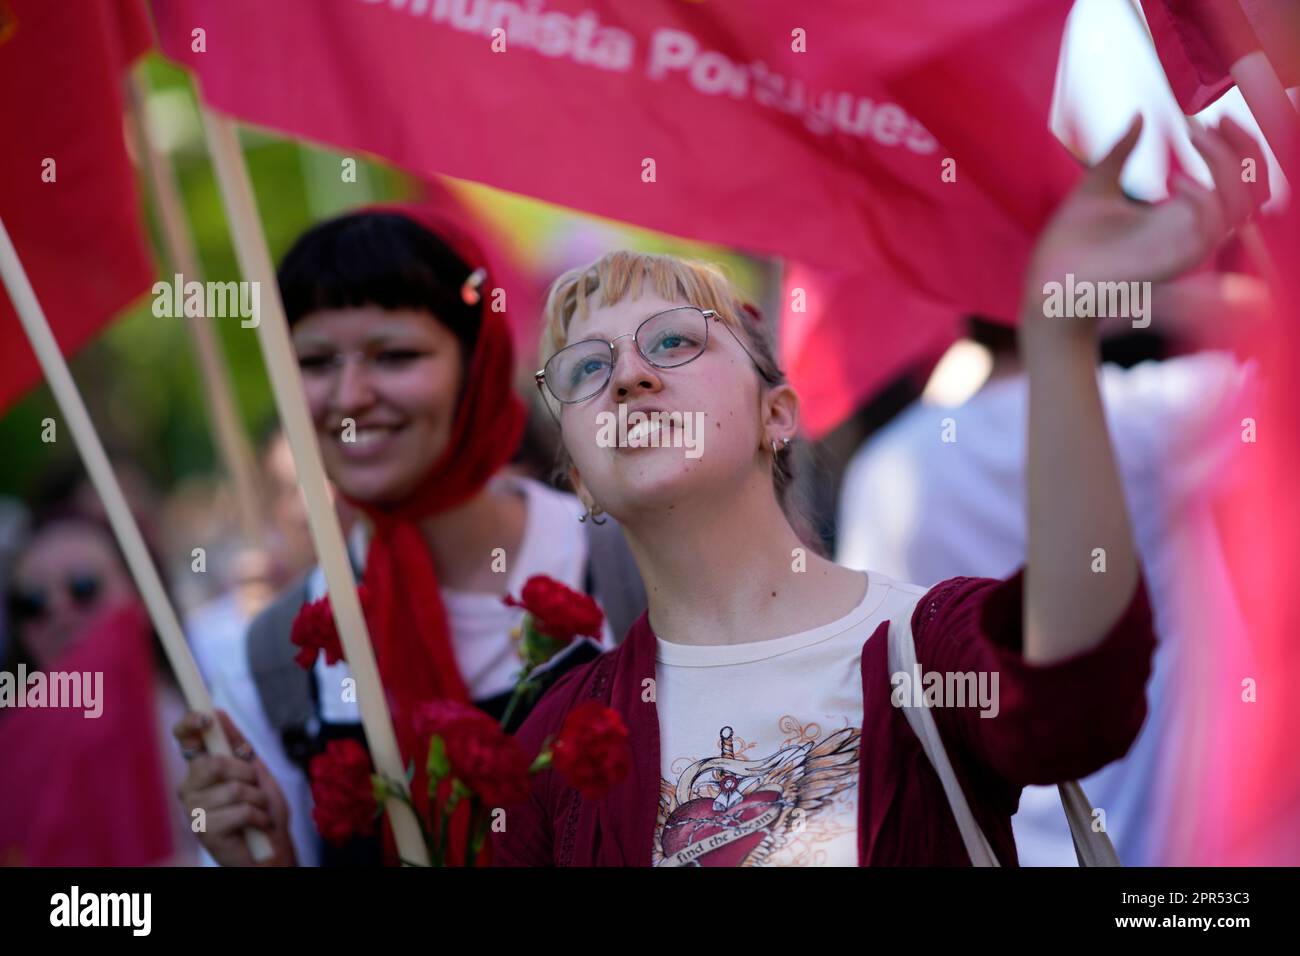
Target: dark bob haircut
[(377, 258)]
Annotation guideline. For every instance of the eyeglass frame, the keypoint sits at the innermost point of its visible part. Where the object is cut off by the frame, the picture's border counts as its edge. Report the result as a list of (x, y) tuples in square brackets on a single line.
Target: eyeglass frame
[(539, 377)]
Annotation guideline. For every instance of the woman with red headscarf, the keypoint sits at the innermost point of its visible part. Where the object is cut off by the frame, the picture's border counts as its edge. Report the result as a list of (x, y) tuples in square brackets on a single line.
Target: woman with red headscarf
[(408, 376)]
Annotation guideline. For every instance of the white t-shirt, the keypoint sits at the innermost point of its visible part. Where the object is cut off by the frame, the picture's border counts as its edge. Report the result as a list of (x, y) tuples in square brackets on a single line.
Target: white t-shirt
[(922, 508), (553, 544), (759, 743)]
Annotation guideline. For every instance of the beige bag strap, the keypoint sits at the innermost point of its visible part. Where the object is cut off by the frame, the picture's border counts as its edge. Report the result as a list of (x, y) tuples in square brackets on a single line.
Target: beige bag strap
[(1091, 847)]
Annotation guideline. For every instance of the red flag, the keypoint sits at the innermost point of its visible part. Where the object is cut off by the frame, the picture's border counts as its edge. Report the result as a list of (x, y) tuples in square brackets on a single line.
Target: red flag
[(1198, 41), (738, 123), (1259, 823), (85, 790), (835, 325), (69, 198)]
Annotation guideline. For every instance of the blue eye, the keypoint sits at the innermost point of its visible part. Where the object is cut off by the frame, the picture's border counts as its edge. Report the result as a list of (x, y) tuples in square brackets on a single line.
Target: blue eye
[(675, 342), (587, 368)]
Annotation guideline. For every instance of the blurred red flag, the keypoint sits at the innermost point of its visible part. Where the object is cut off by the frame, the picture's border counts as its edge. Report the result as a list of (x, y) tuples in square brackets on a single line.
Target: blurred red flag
[(1260, 819), (737, 123), (1199, 40), (89, 790), (68, 197)]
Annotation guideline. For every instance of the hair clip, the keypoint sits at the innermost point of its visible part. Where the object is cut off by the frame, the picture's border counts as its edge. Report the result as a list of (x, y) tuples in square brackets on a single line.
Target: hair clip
[(469, 290), (752, 312)]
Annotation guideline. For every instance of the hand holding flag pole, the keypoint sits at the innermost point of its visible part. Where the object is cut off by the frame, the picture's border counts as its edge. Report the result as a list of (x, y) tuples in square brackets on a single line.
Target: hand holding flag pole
[(161, 612)]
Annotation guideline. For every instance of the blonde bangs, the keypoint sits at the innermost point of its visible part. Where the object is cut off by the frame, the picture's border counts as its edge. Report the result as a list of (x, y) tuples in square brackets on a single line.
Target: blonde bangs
[(624, 274)]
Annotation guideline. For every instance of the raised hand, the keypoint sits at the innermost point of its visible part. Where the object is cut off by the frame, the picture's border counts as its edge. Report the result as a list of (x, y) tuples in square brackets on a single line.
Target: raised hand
[(1099, 235)]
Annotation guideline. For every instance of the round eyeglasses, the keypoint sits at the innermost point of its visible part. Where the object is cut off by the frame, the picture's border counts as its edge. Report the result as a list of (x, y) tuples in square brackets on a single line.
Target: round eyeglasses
[(666, 339)]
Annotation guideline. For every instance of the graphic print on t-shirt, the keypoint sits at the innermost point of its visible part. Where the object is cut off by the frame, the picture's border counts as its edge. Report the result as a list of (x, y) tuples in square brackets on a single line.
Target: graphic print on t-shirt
[(728, 811)]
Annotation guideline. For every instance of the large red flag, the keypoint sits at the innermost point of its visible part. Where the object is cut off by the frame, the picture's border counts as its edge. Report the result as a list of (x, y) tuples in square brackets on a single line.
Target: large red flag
[(85, 788), (752, 124), (67, 190)]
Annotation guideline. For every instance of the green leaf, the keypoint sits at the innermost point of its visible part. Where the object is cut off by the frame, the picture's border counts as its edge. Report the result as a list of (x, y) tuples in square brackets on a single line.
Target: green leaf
[(438, 766)]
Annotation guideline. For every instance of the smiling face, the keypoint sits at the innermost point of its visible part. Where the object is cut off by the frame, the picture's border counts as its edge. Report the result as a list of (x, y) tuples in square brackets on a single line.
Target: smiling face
[(721, 389), (397, 374)]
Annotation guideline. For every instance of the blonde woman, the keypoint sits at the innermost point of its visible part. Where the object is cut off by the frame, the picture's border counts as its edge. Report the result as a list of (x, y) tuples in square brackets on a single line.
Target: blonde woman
[(757, 690)]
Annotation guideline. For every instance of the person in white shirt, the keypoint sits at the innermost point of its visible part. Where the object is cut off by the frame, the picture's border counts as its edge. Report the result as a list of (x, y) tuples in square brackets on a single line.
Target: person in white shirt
[(939, 492)]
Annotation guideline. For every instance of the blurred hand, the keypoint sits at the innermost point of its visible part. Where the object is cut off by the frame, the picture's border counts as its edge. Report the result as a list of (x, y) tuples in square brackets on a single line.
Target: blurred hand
[(235, 793), (1099, 235)]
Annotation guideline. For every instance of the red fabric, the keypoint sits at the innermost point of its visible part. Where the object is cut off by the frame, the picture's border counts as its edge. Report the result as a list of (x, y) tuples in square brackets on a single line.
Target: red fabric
[(1199, 40), (1261, 534), (404, 610), (835, 320), (1053, 725), (737, 122), (85, 791), (80, 237)]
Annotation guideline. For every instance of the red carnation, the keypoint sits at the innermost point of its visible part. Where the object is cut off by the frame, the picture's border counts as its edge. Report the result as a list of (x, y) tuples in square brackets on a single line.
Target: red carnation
[(314, 631), (343, 792), (479, 753), (558, 611), (592, 753)]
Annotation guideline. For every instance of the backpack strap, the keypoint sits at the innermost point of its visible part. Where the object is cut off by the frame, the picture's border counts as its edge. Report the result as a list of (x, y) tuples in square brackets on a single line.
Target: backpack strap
[(284, 688), (612, 577)]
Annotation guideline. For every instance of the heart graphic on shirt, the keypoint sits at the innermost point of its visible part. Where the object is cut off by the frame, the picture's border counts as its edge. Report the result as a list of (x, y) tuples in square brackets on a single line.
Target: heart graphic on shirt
[(708, 832)]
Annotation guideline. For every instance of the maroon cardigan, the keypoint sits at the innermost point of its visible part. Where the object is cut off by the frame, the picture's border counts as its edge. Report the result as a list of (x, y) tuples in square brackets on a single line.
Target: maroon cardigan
[(1057, 722)]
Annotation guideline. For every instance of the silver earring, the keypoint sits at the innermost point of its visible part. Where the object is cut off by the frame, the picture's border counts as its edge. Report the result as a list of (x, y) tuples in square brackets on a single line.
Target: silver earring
[(593, 514)]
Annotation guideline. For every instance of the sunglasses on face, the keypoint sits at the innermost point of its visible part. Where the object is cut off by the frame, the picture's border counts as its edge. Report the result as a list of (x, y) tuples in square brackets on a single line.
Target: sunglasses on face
[(33, 604)]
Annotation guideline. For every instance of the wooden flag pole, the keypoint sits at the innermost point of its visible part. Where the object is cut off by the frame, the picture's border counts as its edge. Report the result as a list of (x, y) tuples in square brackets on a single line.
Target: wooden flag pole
[(232, 443), (286, 383), (119, 514), (1252, 241), (1266, 98), (1264, 94)]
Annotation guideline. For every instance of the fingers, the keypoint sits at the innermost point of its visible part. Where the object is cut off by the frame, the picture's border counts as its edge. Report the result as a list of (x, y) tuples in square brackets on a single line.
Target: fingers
[(231, 793), (238, 744), (1226, 171), (1247, 147), (189, 730), (1207, 211), (237, 817), (206, 772), (1106, 172)]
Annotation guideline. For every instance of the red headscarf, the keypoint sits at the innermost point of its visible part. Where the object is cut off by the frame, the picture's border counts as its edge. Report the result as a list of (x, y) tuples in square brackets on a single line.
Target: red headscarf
[(404, 610)]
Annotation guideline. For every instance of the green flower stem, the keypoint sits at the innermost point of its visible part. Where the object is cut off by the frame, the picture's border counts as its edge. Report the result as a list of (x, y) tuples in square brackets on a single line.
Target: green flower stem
[(522, 690)]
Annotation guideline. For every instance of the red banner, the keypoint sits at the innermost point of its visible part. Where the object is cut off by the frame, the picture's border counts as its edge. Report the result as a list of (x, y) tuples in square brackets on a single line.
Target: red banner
[(794, 131), (68, 198)]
